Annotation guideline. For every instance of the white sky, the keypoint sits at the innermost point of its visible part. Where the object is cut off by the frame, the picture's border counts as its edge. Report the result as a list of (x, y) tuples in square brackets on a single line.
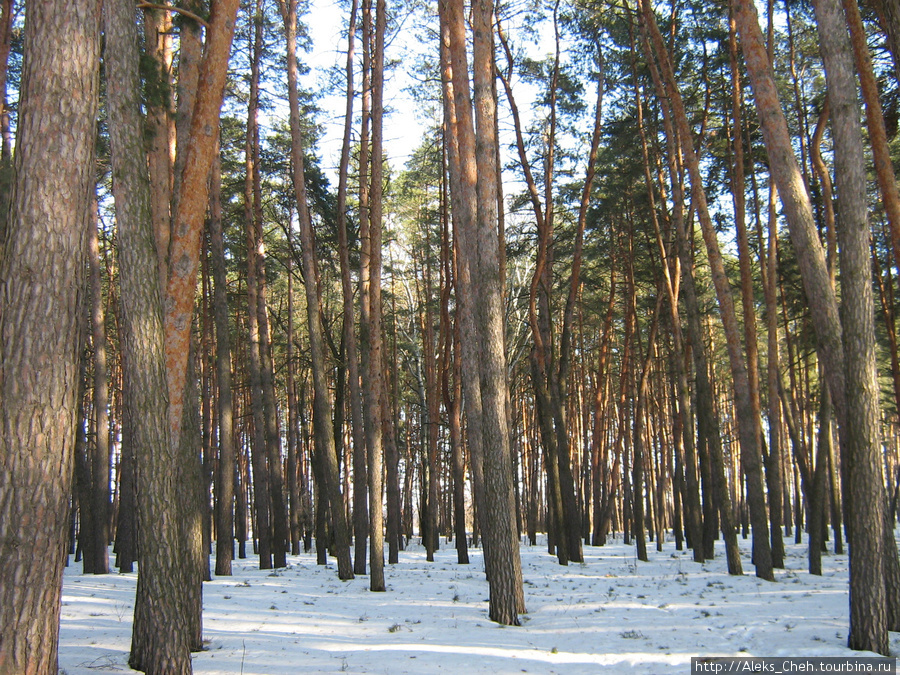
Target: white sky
[(403, 130)]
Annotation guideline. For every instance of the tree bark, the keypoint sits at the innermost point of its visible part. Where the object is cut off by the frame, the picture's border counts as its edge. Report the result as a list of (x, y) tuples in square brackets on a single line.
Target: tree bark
[(192, 193), (40, 276), (160, 641), (861, 439), (504, 564), (100, 459)]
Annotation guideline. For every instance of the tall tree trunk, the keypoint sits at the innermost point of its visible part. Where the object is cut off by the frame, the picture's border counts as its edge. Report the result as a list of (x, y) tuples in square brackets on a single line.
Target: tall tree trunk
[(708, 434), (324, 438), (747, 414), (191, 195), (504, 564), (160, 641), (40, 275), (861, 441), (376, 390), (463, 177), (226, 465), (160, 125), (262, 470), (100, 459), (360, 480), (738, 185), (452, 271)]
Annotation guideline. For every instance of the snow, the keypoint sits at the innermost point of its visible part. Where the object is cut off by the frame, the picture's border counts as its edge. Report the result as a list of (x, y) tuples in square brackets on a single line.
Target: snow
[(611, 614)]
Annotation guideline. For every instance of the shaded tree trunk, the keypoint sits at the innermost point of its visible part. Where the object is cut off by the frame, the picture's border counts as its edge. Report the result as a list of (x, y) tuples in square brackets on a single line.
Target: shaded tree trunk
[(226, 465), (861, 438), (40, 274), (160, 640)]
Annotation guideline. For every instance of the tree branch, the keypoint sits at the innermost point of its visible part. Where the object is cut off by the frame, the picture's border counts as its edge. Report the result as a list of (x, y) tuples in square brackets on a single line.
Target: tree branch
[(179, 10)]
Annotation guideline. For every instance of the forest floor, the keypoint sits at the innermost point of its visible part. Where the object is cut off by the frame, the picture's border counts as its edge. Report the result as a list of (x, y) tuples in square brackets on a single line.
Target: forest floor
[(611, 614)]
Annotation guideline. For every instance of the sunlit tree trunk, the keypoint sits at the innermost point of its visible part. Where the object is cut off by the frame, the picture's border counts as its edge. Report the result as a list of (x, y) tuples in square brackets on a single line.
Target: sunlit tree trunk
[(748, 419), (100, 469), (504, 565), (322, 410)]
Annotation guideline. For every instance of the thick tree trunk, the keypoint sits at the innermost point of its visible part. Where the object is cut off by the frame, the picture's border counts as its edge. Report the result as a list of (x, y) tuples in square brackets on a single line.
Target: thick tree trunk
[(160, 640), (504, 565), (860, 439), (40, 276)]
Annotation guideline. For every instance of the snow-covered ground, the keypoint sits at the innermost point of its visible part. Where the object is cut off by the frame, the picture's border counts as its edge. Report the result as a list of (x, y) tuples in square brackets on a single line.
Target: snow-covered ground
[(610, 614)]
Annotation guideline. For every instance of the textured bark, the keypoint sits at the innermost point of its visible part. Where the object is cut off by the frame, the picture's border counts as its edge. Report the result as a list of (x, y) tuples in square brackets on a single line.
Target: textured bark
[(503, 563), (462, 194), (159, 639), (738, 186), (6, 168), (160, 127), (322, 410), (190, 58), (860, 439), (375, 392), (40, 276), (192, 192), (224, 399), (453, 405), (6, 24), (875, 126)]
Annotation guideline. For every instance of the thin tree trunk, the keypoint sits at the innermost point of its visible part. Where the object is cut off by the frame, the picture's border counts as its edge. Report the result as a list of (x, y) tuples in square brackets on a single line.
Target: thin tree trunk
[(322, 411), (748, 419), (100, 470), (262, 470), (360, 480), (226, 465)]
